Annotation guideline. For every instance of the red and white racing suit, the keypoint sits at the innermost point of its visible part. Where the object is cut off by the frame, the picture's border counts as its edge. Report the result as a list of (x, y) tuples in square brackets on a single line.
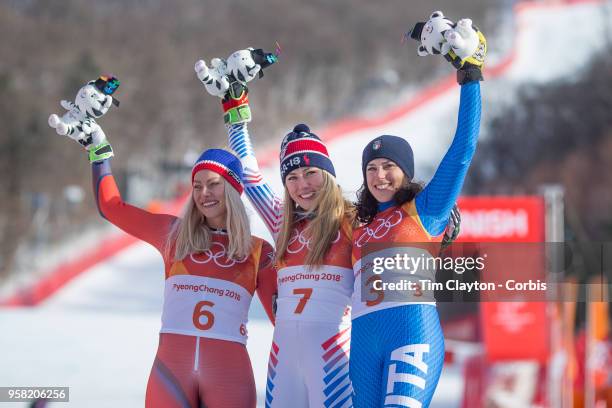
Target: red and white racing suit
[(309, 357), (202, 358)]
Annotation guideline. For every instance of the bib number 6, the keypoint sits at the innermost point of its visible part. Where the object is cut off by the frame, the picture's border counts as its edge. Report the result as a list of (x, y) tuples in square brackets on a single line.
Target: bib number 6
[(199, 312)]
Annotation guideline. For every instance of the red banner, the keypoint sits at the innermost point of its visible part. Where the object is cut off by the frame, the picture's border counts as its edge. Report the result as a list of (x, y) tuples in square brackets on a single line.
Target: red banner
[(502, 219), (512, 330), (515, 331)]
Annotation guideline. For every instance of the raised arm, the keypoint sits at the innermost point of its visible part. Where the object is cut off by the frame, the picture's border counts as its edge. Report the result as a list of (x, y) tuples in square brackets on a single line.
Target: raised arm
[(227, 80), (435, 202), (267, 204), (79, 124), (149, 227), (465, 47)]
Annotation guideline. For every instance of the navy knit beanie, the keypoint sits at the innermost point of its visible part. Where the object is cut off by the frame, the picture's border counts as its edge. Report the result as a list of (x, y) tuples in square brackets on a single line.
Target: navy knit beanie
[(389, 147), (301, 148)]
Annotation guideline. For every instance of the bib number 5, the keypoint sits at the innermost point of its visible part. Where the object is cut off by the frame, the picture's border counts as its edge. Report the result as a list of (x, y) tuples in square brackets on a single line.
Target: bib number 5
[(203, 319), (380, 295)]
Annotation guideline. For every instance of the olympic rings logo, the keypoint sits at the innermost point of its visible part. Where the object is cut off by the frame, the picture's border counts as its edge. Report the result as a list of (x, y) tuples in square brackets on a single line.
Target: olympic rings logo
[(383, 227), (302, 242), (218, 257)]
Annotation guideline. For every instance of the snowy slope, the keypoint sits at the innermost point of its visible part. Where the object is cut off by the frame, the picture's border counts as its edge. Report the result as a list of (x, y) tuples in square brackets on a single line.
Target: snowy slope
[(98, 334)]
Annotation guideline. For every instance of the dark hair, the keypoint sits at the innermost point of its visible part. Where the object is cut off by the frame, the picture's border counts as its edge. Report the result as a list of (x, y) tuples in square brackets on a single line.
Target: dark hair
[(367, 205)]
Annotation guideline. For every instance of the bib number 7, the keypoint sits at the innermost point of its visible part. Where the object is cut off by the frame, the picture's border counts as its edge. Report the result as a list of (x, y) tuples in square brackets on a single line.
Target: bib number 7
[(306, 293)]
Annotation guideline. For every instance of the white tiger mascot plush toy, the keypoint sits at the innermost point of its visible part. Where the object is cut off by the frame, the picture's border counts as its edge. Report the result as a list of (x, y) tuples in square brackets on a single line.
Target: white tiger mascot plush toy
[(92, 102), (242, 67), (459, 42)]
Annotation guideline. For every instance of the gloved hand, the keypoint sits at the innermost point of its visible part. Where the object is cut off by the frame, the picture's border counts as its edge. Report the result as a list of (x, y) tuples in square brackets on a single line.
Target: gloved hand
[(452, 228), (92, 101), (462, 44), (468, 48), (89, 135), (467, 44), (221, 82), (228, 78), (235, 104)]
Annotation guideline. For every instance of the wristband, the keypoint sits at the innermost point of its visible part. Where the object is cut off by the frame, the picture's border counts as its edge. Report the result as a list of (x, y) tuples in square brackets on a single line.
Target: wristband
[(100, 152)]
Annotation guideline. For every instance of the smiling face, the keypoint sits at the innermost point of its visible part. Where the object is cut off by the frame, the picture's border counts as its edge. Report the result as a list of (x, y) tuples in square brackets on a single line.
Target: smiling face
[(384, 179), (303, 185), (209, 197), (92, 101)]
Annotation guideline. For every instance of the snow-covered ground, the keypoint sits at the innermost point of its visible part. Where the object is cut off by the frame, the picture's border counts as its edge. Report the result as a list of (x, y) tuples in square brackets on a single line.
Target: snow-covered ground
[(98, 334)]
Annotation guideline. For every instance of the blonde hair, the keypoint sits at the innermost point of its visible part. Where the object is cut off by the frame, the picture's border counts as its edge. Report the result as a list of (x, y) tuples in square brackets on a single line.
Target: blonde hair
[(190, 233), (330, 208)]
